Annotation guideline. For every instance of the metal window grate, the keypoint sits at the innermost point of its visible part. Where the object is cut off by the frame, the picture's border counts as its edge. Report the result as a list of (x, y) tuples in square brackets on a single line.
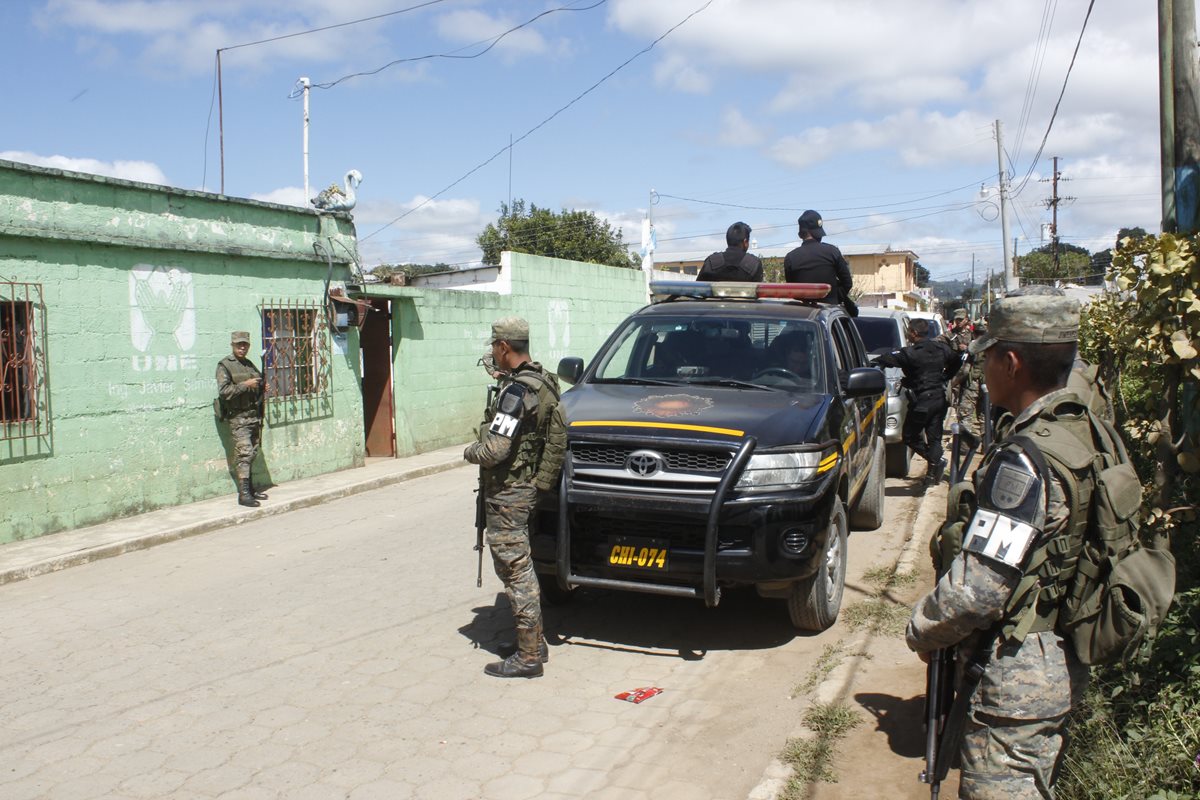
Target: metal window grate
[(295, 349), (24, 400)]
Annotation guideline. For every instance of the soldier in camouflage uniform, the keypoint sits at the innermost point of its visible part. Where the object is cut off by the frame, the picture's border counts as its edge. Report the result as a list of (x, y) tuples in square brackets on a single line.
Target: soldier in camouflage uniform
[(240, 386), (1014, 731), (969, 409), (521, 445)]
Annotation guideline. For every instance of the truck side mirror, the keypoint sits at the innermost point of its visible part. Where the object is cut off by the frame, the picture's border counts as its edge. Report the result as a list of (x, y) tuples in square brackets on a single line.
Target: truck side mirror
[(570, 369), (864, 382)]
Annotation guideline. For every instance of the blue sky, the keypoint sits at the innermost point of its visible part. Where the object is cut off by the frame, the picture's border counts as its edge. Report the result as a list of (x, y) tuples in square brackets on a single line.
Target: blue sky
[(876, 114)]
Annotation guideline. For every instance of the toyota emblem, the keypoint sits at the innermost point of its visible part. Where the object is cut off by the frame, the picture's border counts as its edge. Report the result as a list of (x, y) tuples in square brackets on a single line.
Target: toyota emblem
[(644, 463)]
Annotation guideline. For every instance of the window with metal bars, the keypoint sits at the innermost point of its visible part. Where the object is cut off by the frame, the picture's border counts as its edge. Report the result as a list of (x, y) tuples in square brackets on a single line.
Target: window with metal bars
[(24, 407), (295, 349)]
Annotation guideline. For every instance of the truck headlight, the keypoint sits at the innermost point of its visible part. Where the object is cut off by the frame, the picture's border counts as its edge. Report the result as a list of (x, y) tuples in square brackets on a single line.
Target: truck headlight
[(770, 472)]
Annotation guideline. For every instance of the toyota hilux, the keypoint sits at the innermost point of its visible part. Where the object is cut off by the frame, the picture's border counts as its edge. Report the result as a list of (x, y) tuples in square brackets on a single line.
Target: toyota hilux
[(727, 434)]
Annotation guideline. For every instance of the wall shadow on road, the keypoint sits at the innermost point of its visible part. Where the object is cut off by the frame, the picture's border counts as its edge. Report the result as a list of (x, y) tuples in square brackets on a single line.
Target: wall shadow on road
[(898, 719)]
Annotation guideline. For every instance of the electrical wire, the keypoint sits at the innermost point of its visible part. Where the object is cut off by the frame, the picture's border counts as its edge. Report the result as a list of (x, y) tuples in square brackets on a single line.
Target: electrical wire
[(207, 129), (331, 27), (541, 124), (495, 40), (1057, 103), (1035, 72)]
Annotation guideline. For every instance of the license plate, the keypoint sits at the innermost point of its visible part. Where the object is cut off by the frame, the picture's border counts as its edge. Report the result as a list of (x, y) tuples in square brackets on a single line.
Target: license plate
[(636, 553)]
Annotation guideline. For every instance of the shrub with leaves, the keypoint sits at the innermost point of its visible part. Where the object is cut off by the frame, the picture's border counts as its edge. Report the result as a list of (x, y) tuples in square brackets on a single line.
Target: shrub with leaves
[(1138, 734)]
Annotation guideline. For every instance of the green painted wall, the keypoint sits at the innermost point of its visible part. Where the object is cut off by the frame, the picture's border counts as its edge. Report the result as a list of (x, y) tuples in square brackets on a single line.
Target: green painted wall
[(141, 286), (440, 334)]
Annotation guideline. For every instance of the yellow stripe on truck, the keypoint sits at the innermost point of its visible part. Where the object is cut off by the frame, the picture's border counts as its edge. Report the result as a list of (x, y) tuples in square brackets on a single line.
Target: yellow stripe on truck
[(674, 426)]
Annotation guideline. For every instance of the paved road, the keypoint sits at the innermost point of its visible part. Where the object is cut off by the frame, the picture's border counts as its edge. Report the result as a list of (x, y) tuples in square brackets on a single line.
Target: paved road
[(336, 652)]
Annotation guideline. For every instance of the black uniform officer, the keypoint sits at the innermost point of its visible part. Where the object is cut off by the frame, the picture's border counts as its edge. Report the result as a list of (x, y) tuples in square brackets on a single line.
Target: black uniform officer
[(928, 364), (735, 263), (817, 262)]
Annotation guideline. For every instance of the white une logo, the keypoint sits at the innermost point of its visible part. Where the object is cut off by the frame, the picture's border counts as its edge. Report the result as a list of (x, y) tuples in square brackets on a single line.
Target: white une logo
[(162, 307)]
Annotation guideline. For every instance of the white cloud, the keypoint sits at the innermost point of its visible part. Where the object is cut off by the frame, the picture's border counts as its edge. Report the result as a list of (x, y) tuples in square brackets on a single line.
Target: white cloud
[(144, 171), (737, 131), (471, 26), (436, 231), (286, 196), (675, 71)]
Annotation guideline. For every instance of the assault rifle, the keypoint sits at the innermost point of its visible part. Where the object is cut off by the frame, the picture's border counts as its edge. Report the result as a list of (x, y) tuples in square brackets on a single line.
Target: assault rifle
[(939, 697), (480, 503), (963, 446)]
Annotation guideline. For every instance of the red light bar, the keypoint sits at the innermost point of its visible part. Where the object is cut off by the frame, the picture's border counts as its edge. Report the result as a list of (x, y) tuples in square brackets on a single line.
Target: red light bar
[(794, 291)]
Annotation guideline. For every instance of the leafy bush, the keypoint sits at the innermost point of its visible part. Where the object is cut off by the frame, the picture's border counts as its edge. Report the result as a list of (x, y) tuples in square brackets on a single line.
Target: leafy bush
[(1138, 733)]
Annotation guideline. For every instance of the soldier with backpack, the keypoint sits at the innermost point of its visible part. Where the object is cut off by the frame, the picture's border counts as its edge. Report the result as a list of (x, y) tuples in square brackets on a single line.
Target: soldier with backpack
[(521, 446), (1030, 557)]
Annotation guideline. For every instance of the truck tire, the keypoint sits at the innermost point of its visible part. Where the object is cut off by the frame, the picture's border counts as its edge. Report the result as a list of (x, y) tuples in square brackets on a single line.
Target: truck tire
[(898, 457), (868, 511), (815, 601)]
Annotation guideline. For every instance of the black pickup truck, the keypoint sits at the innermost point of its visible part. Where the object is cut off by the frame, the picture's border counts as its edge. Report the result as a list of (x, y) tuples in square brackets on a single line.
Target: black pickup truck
[(726, 434)]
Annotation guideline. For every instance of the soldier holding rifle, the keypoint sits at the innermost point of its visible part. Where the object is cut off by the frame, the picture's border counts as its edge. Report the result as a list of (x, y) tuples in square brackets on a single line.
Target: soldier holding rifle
[(1021, 676), (520, 450)]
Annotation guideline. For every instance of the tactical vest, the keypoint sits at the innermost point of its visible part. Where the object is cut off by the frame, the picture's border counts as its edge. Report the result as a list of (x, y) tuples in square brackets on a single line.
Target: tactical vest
[(243, 404), (541, 441)]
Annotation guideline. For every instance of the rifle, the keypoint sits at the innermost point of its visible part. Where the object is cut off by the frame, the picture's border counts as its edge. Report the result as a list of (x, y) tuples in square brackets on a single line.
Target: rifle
[(939, 698), (959, 460), (480, 524), (480, 503)]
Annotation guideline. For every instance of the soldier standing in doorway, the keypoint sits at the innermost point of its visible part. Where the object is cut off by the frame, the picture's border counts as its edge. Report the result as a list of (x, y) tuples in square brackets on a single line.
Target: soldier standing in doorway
[(521, 445), (240, 389)]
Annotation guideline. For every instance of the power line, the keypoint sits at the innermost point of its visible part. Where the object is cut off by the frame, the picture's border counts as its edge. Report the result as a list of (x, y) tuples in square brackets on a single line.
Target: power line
[(495, 40), (532, 130), (1057, 103), (1035, 71), (330, 27)]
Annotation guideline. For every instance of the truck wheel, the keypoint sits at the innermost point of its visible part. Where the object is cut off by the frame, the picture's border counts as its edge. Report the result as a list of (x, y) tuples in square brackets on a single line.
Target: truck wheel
[(552, 593), (868, 512), (898, 456), (815, 601)]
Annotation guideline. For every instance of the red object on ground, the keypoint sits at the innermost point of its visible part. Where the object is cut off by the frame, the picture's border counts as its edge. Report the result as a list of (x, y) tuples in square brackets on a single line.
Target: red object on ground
[(638, 695)]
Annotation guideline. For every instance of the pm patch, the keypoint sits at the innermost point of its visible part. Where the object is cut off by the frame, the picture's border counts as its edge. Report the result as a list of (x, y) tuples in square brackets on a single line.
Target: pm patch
[(504, 425), (998, 537)]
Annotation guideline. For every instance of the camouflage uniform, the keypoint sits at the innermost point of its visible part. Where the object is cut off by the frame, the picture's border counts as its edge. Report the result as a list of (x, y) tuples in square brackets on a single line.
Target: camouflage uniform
[(520, 448), (1015, 728), (243, 410), (969, 409)]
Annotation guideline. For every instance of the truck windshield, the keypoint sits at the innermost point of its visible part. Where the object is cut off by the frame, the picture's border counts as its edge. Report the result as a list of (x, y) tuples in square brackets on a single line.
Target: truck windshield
[(772, 353)]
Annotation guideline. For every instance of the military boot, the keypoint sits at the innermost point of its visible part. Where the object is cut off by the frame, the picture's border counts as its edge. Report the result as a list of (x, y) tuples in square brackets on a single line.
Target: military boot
[(245, 495), (506, 649), (255, 493), (525, 663)]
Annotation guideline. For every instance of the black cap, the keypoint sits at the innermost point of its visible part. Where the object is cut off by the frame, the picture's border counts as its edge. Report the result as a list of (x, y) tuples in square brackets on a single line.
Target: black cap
[(811, 221)]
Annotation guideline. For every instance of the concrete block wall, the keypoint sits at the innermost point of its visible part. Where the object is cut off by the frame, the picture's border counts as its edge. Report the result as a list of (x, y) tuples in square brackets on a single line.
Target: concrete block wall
[(141, 287), (440, 334)]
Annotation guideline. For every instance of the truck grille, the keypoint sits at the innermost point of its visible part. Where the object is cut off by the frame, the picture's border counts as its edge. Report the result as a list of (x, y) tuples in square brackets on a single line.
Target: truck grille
[(676, 460), (587, 529), (693, 472)]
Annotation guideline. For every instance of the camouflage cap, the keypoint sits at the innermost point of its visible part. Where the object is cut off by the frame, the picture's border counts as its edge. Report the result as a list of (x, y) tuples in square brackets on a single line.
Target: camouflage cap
[(961, 314), (237, 337), (512, 329), (1039, 319)]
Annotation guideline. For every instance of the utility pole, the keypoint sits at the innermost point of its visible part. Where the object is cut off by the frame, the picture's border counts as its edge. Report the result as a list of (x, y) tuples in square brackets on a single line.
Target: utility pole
[(1179, 116), (305, 85), (1010, 279), (1052, 204)]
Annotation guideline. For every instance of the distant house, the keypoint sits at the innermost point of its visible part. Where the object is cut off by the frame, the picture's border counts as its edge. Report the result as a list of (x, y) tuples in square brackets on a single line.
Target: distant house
[(682, 267), (888, 280)]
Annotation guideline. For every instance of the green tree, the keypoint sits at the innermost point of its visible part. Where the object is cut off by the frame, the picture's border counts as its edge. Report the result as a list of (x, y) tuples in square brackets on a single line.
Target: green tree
[(1074, 264), (573, 235), (922, 275)]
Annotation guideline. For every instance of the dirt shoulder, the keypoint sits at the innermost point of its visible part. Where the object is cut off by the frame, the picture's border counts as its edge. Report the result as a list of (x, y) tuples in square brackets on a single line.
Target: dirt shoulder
[(863, 724)]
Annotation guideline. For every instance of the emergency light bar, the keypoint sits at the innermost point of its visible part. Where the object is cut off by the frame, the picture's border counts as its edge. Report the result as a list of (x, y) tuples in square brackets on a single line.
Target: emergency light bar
[(736, 290)]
